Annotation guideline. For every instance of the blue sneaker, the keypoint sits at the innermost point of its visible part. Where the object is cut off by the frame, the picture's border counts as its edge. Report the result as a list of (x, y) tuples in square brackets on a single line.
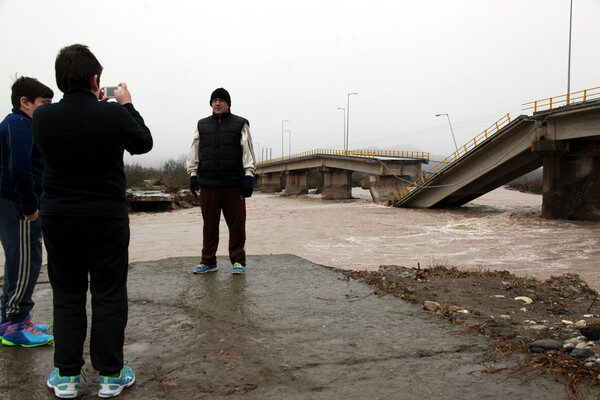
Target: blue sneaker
[(3, 326), (65, 387), (204, 268), (40, 327), (111, 387), (21, 334), (238, 269)]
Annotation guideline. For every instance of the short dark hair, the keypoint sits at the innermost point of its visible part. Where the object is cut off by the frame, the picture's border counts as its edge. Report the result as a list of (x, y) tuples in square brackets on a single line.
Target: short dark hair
[(31, 89), (75, 66)]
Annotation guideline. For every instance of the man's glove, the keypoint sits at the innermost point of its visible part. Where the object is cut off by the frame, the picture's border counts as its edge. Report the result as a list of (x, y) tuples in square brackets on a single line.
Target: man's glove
[(194, 185), (247, 186)]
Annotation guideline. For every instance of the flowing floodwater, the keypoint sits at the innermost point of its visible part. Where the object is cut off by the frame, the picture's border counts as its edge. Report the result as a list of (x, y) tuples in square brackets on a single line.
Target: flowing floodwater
[(500, 230)]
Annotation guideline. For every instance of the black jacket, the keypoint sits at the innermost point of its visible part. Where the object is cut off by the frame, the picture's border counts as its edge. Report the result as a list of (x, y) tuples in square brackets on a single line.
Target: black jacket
[(82, 141)]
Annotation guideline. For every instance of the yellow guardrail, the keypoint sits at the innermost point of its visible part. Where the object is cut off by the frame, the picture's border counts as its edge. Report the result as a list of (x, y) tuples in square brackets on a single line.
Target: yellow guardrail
[(464, 149), (563, 100), (353, 153)]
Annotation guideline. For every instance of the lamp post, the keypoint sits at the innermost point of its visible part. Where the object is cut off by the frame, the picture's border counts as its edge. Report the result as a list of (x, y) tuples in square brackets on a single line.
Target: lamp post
[(569, 69), (289, 142), (285, 120), (344, 110), (451, 130), (348, 122)]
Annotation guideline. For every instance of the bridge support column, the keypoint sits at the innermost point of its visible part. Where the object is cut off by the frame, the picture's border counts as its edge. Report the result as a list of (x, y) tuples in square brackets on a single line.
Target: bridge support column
[(296, 182), (337, 184), (271, 182), (571, 186), (385, 187)]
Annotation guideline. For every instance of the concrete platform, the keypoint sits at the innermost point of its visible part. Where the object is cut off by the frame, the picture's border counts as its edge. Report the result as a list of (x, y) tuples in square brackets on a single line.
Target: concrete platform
[(288, 329)]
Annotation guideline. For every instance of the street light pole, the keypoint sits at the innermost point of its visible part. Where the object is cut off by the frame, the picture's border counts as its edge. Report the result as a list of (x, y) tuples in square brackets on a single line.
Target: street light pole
[(285, 120), (451, 130), (348, 122), (344, 110)]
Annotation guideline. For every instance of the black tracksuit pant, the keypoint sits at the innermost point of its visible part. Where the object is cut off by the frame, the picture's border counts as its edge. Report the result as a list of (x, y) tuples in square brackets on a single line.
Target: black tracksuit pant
[(76, 253)]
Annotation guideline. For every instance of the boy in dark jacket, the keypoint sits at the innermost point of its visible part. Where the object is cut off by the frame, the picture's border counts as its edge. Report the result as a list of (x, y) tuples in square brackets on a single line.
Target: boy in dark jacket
[(21, 169)]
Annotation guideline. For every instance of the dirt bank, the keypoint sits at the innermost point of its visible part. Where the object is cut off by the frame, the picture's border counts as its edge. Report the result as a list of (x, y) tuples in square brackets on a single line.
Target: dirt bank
[(514, 311)]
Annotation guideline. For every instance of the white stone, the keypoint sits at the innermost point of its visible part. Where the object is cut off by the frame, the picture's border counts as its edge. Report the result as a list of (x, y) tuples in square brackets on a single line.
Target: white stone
[(523, 309), (581, 324), (526, 299), (538, 327), (574, 341), (567, 322), (581, 345), (568, 346), (432, 306), (505, 316)]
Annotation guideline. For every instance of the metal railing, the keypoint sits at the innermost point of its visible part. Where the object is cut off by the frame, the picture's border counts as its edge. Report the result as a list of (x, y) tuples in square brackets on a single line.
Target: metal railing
[(563, 100), (353, 153), (451, 159)]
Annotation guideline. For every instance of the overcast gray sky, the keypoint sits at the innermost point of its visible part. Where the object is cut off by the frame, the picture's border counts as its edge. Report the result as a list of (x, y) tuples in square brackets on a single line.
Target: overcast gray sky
[(297, 60)]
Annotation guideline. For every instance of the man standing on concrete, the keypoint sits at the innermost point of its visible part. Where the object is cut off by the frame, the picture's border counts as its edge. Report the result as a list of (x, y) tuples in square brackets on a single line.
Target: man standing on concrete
[(21, 168), (222, 166), (85, 219)]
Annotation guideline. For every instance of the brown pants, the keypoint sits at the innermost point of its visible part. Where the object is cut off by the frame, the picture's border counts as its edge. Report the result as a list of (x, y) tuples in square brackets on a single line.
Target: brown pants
[(227, 199)]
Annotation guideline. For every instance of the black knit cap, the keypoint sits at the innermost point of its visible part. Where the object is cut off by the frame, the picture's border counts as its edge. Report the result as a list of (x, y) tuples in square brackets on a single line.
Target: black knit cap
[(220, 93)]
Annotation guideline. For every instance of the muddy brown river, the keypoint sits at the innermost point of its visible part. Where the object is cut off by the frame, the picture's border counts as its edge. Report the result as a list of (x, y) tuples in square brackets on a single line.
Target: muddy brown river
[(500, 230)]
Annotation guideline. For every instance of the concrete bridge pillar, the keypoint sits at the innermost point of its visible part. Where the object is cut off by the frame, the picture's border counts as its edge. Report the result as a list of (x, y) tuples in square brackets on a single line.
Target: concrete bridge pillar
[(296, 182), (571, 186), (337, 184), (270, 182), (385, 187)]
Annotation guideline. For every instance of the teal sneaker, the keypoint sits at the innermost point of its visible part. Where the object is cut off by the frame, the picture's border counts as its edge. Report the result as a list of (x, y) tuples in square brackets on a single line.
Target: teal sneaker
[(111, 387), (21, 334), (238, 269), (204, 268), (65, 387)]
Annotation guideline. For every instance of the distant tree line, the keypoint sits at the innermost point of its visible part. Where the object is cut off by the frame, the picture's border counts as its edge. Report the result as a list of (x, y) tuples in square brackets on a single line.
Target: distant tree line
[(172, 174)]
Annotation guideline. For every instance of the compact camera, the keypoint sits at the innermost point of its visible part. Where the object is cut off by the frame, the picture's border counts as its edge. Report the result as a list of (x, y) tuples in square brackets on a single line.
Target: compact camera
[(109, 91)]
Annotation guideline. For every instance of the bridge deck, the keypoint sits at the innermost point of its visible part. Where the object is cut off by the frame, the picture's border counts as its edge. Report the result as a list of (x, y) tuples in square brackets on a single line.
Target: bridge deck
[(505, 156)]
